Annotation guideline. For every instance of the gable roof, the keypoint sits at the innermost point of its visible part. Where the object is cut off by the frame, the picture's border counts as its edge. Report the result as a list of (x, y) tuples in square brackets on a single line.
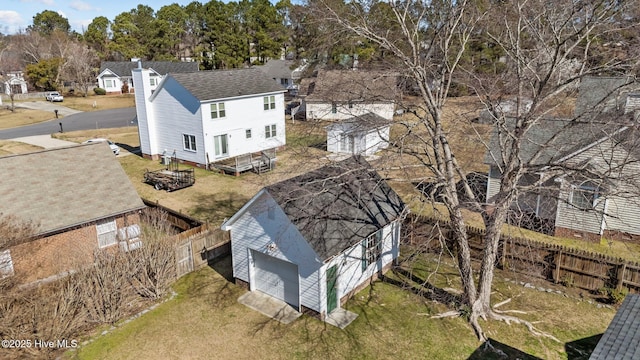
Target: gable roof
[(338, 205), (620, 340), (553, 139), (277, 69), (123, 68), (353, 85), (361, 123), (66, 187), (600, 93), (222, 84)]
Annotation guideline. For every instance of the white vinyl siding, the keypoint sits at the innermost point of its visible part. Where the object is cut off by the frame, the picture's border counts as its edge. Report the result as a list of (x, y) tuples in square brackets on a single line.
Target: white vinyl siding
[(107, 233), (6, 264)]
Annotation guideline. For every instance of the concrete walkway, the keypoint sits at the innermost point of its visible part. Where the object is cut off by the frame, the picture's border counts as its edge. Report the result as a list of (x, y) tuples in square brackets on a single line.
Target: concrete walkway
[(284, 313), (44, 141)]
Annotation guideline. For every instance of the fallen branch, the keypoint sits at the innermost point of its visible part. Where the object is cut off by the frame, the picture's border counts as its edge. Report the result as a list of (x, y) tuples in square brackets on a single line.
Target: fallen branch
[(448, 314)]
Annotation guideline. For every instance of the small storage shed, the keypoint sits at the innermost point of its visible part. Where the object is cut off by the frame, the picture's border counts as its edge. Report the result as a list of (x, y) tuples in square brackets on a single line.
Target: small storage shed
[(316, 239), (359, 135)]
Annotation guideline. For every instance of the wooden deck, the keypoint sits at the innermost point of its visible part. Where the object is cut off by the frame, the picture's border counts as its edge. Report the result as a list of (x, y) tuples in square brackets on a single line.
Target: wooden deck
[(257, 162)]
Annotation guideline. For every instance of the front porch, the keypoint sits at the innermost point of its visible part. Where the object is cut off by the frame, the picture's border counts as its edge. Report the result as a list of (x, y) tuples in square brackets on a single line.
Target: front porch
[(259, 163)]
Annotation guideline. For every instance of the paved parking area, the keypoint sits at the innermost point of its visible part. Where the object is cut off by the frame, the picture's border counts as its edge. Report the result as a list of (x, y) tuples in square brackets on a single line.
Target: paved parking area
[(48, 106)]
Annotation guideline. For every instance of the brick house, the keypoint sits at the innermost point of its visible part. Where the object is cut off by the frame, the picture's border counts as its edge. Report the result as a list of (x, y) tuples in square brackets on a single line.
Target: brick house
[(80, 200)]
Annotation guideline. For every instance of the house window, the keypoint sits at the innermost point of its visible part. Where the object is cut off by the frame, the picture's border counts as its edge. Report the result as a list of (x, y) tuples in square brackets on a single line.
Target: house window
[(584, 196), (284, 82), (108, 83), (270, 131), (371, 249), (6, 265), (247, 133), (189, 142), (130, 237), (107, 233), (217, 111), (334, 108), (152, 81), (269, 102), (350, 105)]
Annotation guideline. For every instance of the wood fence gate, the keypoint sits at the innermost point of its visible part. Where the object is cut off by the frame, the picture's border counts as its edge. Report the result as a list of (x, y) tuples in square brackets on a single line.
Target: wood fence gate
[(184, 260)]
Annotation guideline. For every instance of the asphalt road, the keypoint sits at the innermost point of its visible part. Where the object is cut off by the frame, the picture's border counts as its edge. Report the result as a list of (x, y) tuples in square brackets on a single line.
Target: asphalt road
[(81, 121)]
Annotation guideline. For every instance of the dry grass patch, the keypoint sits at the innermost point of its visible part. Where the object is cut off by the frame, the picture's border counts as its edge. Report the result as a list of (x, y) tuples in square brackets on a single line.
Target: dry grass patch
[(99, 102), (8, 147), (205, 320), (21, 117)]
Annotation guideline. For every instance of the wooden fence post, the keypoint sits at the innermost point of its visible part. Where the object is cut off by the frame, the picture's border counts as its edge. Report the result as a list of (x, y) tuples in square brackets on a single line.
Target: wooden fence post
[(557, 260), (620, 276)]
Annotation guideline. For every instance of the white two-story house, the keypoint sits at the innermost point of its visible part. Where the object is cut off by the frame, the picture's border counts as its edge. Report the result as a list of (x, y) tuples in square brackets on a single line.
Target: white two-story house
[(209, 116)]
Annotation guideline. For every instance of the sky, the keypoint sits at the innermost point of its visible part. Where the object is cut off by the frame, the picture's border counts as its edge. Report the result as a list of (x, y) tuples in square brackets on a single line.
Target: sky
[(18, 14)]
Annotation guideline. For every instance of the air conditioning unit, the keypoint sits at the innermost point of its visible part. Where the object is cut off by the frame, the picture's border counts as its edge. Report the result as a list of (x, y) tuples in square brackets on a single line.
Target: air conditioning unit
[(166, 160)]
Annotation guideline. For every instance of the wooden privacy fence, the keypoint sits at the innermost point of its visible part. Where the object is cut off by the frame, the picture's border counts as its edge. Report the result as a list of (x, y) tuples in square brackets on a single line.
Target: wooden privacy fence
[(555, 263), (197, 242), (200, 246)]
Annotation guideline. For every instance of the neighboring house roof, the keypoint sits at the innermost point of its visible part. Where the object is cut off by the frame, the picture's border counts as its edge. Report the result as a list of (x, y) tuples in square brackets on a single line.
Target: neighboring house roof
[(621, 339), (362, 123), (123, 68), (554, 139), (353, 85), (601, 93), (277, 69), (222, 84), (338, 205), (66, 187)]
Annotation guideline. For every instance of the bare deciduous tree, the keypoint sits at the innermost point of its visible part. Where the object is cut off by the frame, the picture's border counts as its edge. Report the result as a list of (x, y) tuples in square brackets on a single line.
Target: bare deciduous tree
[(547, 49)]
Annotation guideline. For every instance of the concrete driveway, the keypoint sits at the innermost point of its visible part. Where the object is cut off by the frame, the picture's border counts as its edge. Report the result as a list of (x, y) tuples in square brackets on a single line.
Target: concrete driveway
[(44, 141), (48, 106)]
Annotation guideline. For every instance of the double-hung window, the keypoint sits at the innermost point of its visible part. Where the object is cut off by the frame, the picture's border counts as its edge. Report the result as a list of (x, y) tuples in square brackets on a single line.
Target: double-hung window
[(189, 142), (269, 102), (270, 131), (107, 233), (334, 108), (584, 196), (371, 249), (217, 111)]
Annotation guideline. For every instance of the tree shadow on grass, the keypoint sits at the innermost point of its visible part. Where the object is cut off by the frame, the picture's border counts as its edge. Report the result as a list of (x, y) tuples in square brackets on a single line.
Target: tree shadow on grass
[(581, 349), (218, 206), (411, 282), (493, 349)]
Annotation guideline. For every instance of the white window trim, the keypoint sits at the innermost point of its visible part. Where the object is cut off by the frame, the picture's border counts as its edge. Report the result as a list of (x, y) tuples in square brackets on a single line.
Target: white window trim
[(192, 144), (269, 103), (6, 264), (109, 232), (271, 130), (217, 111), (580, 190)]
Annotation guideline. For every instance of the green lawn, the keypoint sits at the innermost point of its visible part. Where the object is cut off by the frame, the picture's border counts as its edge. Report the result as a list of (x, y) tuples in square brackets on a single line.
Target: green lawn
[(205, 321)]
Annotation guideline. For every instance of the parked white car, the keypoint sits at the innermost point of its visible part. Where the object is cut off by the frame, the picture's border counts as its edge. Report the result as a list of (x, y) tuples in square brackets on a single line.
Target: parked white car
[(54, 96), (115, 148)]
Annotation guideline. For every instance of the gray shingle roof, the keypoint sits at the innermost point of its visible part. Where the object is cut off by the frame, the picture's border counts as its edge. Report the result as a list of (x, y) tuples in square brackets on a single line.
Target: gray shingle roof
[(362, 123), (553, 139), (600, 93), (66, 187), (221, 84), (350, 85), (123, 68), (621, 339), (338, 205), (277, 69)]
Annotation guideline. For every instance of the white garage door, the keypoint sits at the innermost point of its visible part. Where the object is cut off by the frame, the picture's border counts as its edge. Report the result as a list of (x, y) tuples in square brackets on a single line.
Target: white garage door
[(276, 277)]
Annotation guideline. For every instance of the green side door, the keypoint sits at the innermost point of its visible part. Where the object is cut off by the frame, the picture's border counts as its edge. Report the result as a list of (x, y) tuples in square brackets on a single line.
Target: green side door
[(332, 289)]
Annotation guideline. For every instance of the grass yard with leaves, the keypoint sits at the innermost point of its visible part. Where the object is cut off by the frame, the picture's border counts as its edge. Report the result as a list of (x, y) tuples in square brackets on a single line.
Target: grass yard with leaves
[(205, 321)]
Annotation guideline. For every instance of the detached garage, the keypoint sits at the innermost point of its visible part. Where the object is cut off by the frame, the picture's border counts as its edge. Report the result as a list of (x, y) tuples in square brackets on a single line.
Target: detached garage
[(316, 239)]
